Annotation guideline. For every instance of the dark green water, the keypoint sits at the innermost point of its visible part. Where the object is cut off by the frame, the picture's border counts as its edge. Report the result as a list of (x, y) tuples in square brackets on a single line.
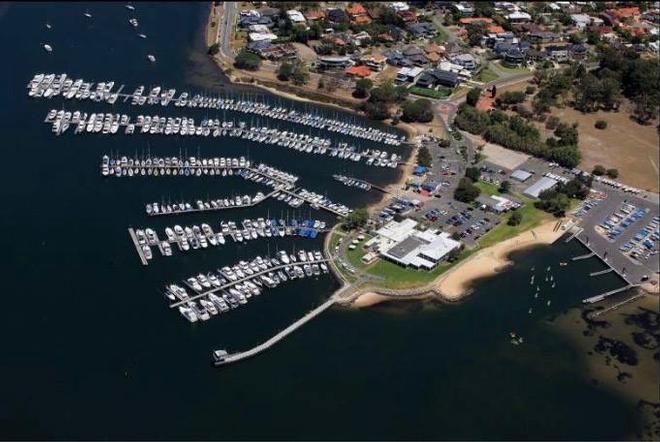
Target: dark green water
[(90, 349)]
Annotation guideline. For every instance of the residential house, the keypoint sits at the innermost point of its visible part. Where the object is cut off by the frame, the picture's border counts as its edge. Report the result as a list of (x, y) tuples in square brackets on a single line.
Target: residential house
[(467, 61), (358, 14), (558, 53), (465, 9), (358, 71), (408, 16), (416, 55), (581, 21), (421, 30), (333, 62), (409, 75), (393, 34), (337, 16), (544, 37), (398, 6), (435, 77), (361, 37), (473, 20), (374, 62), (519, 17), (296, 17), (577, 51), (314, 14)]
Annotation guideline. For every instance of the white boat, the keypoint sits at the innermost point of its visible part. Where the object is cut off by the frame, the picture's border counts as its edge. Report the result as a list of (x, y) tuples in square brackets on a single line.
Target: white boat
[(130, 7), (48, 26), (87, 14), (48, 47), (142, 36), (151, 58)]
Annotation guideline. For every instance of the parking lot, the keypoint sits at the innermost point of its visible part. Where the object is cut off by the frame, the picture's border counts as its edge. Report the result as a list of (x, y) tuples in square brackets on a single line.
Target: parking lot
[(623, 229)]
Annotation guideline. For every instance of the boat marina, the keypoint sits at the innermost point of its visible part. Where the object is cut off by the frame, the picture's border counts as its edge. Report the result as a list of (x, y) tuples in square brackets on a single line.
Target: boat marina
[(232, 286), (53, 85), (282, 182), (352, 182), (203, 236), (108, 123)]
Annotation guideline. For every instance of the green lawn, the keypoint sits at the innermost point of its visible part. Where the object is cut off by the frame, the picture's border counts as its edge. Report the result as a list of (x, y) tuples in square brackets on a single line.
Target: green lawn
[(531, 217), (354, 257), (442, 35), (513, 70), (442, 92), (487, 188), (486, 75)]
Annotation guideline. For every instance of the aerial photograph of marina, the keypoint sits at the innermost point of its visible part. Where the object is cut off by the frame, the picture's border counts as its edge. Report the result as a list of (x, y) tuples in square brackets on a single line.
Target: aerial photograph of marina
[(420, 220)]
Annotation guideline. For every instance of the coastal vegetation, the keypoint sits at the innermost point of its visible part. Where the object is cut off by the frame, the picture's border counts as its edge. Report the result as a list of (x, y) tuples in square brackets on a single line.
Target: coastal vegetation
[(441, 92), (247, 60), (356, 219), (419, 110), (558, 199)]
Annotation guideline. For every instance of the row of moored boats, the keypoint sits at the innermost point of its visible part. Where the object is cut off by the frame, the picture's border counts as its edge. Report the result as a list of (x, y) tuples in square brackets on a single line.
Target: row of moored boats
[(232, 286), (53, 85)]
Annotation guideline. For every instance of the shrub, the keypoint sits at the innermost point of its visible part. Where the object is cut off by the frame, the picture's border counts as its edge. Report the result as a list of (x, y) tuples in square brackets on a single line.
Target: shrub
[(214, 49), (511, 97), (613, 173), (599, 170), (444, 142), (529, 90), (552, 122), (601, 124), (473, 173), (505, 186)]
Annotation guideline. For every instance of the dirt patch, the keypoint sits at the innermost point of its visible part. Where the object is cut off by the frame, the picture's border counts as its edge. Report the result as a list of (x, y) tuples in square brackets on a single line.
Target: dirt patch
[(625, 145)]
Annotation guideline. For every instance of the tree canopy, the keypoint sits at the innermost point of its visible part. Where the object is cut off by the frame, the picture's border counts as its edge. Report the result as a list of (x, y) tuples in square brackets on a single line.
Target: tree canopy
[(247, 60)]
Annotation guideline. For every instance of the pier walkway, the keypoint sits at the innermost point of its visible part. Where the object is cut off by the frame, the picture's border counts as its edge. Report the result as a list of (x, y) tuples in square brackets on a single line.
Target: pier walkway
[(312, 203), (238, 281), (599, 298), (221, 357), (213, 209)]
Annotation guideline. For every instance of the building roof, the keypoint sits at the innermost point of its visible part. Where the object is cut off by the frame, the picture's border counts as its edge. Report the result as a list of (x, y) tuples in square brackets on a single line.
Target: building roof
[(521, 175), (361, 20), (470, 20), (355, 10), (626, 12), (314, 14), (542, 184), (495, 29), (358, 71)]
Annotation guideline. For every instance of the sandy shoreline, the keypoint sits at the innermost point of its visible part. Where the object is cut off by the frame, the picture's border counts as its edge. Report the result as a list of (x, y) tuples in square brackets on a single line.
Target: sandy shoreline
[(456, 283)]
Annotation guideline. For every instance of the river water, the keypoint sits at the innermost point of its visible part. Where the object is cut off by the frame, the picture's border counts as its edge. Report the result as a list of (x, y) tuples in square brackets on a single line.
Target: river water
[(90, 349)]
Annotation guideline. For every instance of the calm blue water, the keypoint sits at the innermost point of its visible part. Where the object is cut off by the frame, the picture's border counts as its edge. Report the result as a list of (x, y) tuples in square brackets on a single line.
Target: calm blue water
[(90, 349)]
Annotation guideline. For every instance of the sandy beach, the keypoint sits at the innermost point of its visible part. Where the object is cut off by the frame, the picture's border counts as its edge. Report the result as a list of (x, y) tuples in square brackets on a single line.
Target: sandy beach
[(368, 299), (456, 283)]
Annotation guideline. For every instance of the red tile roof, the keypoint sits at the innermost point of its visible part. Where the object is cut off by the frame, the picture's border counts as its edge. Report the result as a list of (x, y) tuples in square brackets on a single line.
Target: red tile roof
[(358, 71), (469, 20), (356, 10)]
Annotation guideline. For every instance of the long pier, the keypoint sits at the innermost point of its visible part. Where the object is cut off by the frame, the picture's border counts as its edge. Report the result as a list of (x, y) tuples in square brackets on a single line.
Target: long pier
[(238, 281), (599, 298), (617, 305), (581, 257), (222, 358), (310, 202)]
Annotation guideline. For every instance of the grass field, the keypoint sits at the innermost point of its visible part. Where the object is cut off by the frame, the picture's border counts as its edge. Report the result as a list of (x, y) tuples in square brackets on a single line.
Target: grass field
[(531, 217), (441, 37), (487, 188), (486, 75), (442, 92)]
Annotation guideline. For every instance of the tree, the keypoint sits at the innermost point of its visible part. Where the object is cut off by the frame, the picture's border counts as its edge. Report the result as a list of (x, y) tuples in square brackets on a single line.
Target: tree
[(505, 186), (418, 110), (214, 49), (510, 97), (362, 87), (599, 170), (247, 60), (613, 173), (515, 218), (552, 122), (473, 173), (473, 96), (466, 191), (553, 202), (424, 157), (357, 218), (601, 124), (529, 90)]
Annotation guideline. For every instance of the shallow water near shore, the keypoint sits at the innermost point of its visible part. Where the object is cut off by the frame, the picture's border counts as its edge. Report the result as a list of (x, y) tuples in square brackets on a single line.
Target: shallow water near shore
[(92, 351)]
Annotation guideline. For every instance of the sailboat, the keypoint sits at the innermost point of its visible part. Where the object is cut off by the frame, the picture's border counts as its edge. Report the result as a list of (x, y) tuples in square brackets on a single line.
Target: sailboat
[(548, 303), (87, 14), (48, 47), (142, 36), (48, 26), (130, 7), (151, 58)]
